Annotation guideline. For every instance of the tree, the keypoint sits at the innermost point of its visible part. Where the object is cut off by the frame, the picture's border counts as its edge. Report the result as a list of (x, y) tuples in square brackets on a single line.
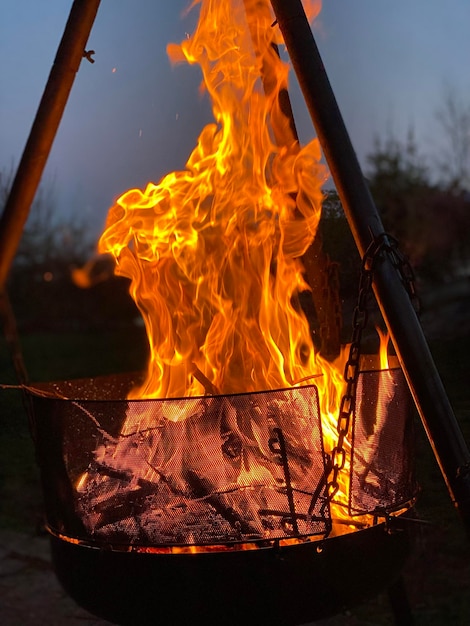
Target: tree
[(49, 241), (40, 285), (453, 116), (429, 219), (399, 181), (339, 244)]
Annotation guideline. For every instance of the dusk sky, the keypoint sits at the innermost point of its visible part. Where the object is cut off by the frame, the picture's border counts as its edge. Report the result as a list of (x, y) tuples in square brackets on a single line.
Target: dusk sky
[(132, 117)]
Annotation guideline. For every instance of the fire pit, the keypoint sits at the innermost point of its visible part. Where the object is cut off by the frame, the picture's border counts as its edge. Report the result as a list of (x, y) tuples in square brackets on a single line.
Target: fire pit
[(242, 478), (228, 500), (280, 586), (239, 475), (245, 471)]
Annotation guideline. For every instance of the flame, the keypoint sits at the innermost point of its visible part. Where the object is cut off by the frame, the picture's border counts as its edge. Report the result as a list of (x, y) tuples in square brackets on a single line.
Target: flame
[(384, 338), (213, 253)]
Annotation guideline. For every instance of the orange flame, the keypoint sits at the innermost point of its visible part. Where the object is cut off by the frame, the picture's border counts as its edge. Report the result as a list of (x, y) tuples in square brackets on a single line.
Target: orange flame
[(213, 251), (383, 349)]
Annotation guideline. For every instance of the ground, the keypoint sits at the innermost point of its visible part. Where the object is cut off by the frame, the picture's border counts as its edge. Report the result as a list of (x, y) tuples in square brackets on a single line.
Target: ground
[(29, 591)]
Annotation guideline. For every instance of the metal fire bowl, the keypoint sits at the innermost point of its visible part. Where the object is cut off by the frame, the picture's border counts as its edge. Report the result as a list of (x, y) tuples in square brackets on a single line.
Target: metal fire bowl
[(284, 586), (279, 586)]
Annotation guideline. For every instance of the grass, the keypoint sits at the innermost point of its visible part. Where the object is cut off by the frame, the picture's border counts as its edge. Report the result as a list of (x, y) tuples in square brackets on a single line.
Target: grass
[(437, 575)]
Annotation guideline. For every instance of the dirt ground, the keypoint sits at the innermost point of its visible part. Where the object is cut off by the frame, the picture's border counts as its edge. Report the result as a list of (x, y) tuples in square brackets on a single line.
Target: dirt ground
[(30, 594)]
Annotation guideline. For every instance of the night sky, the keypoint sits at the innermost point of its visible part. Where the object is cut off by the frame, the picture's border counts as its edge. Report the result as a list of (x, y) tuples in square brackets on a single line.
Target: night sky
[(132, 117)]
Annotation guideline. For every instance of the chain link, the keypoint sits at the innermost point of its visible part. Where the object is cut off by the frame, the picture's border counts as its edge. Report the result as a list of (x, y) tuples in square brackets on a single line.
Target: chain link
[(382, 243), (403, 266)]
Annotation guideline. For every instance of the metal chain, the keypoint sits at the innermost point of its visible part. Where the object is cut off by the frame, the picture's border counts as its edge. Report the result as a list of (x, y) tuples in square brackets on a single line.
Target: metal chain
[(360, 318), (404, 268)]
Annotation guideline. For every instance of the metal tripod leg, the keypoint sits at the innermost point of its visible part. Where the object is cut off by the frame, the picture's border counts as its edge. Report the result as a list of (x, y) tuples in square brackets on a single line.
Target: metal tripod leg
[(400, 603)]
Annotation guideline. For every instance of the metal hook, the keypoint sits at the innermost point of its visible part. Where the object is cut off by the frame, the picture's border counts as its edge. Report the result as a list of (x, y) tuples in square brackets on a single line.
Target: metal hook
[(88, 54)]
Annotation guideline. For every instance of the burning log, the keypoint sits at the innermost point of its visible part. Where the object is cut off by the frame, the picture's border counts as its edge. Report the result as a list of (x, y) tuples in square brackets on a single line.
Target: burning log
[(202, 488), (210, 388), (238, 465)]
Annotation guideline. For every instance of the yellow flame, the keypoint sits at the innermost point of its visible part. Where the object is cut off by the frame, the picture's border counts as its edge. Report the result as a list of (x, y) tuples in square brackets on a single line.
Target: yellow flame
[(383, 349), (213, 251)]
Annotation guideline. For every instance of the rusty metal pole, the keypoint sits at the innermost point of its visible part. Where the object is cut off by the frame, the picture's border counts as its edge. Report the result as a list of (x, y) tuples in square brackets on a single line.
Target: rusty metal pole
[(423, 379), (70, 52)]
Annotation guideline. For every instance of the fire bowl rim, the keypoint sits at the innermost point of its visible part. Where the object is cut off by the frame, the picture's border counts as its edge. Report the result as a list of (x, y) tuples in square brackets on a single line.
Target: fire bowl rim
[(287, 586)]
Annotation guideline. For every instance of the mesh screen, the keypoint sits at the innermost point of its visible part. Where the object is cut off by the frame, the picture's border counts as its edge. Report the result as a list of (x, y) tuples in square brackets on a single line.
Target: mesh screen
[(197, 471), (382, 468)]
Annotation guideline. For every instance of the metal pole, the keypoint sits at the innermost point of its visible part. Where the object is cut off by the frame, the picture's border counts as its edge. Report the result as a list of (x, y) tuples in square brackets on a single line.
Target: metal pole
[(70, 52), (431, 400)]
